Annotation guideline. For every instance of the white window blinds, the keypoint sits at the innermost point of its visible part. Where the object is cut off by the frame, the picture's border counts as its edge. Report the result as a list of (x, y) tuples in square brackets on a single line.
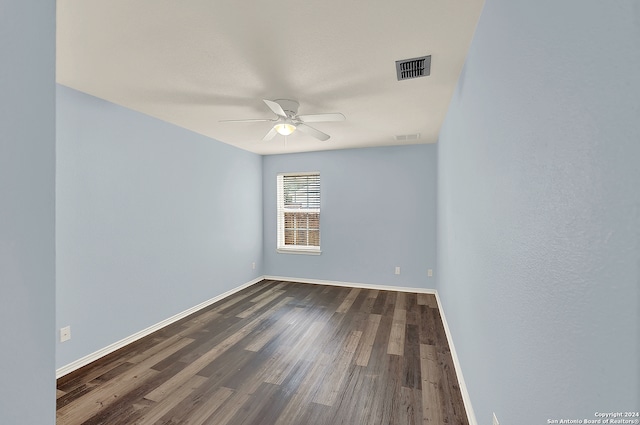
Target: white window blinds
[(299, 212)]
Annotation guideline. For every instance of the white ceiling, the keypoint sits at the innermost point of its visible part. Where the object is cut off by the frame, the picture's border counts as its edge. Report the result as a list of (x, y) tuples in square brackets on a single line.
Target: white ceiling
[(195, 62)]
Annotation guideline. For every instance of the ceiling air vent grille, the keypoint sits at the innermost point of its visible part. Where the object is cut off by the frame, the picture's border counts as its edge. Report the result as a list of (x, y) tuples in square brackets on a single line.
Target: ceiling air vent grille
[(413, 68), (407, 137)]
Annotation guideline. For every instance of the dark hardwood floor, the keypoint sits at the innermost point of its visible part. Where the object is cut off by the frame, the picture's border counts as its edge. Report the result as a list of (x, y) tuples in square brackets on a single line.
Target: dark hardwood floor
[(279, 353)]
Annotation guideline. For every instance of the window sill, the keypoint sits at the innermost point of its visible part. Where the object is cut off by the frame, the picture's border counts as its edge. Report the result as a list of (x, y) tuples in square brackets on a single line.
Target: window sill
[(299, 251)]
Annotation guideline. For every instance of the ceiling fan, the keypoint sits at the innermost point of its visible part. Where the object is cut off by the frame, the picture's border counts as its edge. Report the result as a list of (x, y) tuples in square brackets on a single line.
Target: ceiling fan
[(288, 120)]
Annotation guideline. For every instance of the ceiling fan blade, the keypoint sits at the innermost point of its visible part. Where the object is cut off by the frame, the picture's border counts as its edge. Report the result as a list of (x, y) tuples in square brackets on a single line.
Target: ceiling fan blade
[(270, 135), (276, 108), (249, 120), (336, 116), (313, 132)]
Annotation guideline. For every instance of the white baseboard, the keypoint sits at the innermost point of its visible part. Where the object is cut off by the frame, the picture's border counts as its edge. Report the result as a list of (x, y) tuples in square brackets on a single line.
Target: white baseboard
[(471, 416), (353, 284), (456, 362), (128, 340)]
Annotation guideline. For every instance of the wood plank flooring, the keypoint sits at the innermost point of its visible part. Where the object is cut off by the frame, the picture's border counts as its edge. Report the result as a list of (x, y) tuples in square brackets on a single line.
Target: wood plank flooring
[(279, 353)]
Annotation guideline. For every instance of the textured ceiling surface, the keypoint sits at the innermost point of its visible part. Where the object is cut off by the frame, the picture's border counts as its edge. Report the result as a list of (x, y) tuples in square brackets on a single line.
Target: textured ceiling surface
[(193, 63)]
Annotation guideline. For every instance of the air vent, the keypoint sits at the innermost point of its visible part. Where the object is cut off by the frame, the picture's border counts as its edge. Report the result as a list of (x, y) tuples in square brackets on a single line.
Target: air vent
[(407, 137), (413, 68)]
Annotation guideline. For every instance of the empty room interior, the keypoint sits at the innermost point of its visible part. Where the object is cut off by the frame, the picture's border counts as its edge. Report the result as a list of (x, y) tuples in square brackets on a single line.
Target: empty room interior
[(223, 213)]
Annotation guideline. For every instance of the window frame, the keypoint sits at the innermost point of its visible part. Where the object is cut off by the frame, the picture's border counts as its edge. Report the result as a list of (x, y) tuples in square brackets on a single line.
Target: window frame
[(280, 215)]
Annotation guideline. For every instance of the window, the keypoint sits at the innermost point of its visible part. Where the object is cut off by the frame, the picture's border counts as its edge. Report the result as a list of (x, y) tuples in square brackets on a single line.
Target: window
[(299, 213)]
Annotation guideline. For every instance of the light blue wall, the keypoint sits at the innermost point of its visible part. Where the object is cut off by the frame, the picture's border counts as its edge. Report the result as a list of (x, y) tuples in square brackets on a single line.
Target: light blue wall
[(27, 189), (151, 220), (539, 211), (378, 211)]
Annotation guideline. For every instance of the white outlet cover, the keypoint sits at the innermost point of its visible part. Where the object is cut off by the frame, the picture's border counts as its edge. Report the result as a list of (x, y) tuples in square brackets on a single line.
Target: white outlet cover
[(65, 334), (397, 270), (430, 272)]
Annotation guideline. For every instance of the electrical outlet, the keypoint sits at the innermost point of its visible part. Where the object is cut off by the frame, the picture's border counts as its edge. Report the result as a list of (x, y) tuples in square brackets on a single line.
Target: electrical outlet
[(397, 270), (65, 334), (495, 420), (430, 272), (253, 265)]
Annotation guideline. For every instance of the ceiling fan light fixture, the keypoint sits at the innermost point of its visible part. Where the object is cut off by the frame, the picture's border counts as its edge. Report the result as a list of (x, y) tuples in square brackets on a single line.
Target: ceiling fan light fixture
[(285, 128), (288, 120)]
